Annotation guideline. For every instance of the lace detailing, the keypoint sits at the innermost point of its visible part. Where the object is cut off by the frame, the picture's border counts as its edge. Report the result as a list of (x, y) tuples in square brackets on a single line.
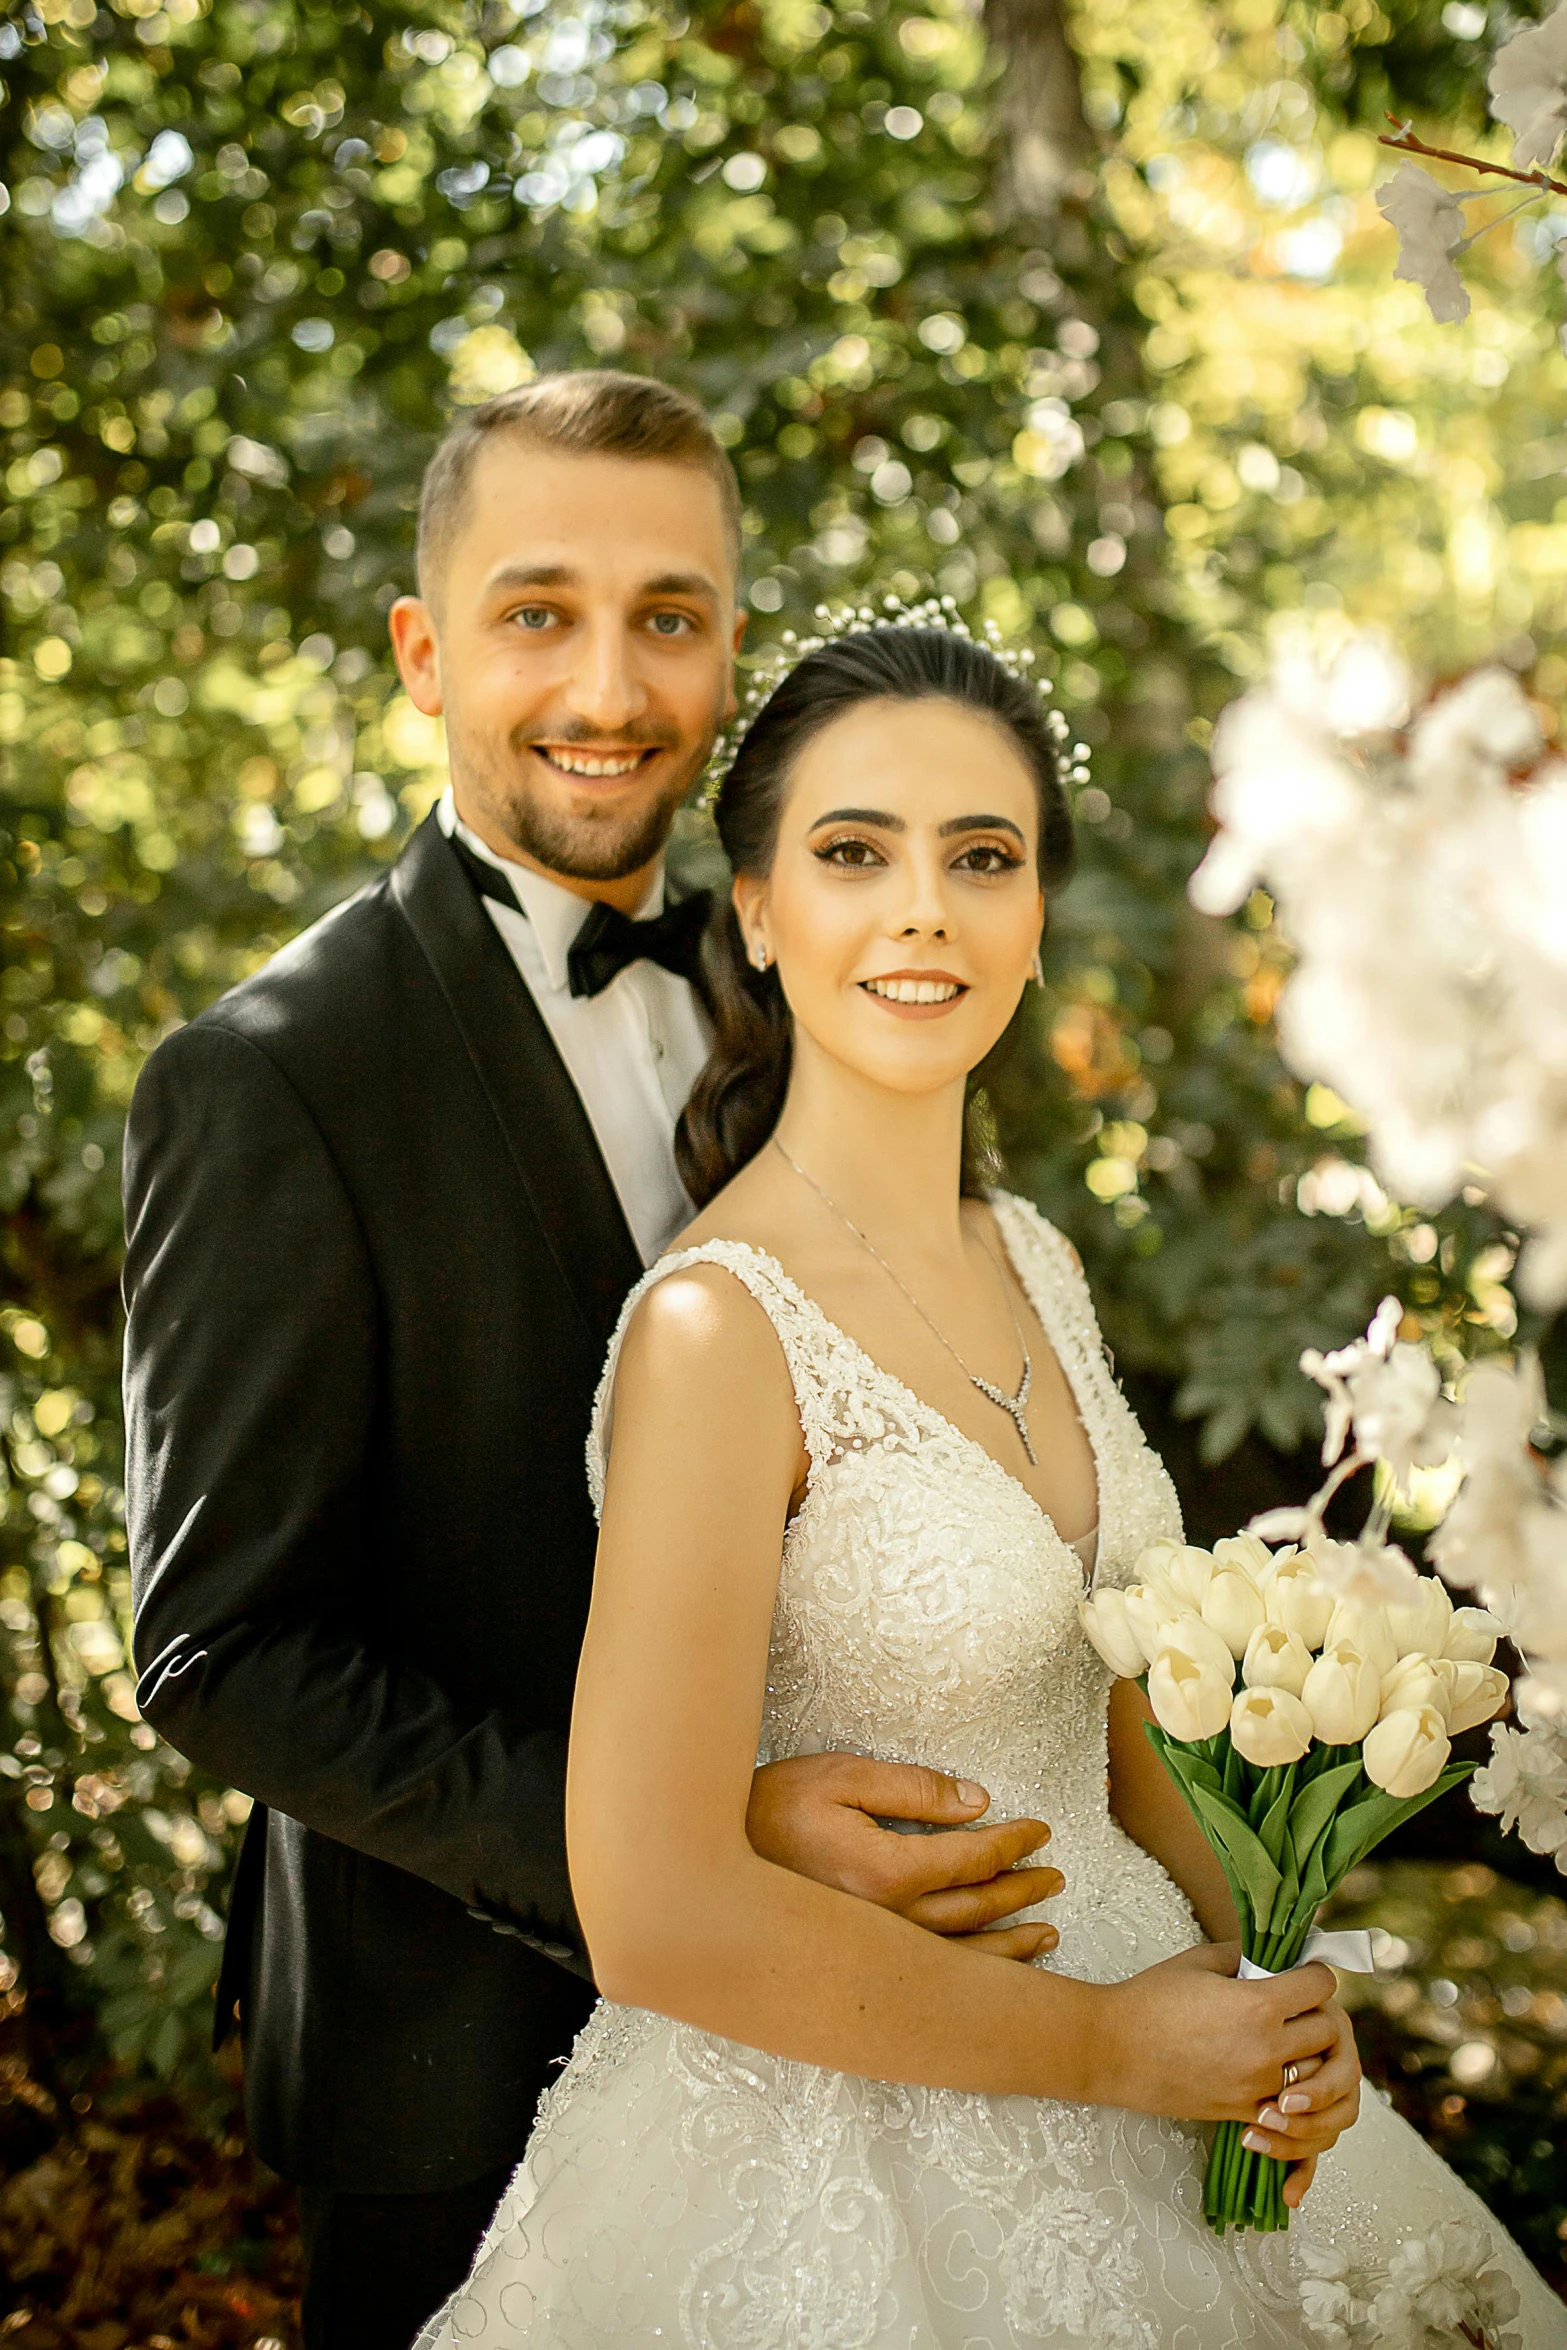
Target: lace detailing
[(680, 2189)]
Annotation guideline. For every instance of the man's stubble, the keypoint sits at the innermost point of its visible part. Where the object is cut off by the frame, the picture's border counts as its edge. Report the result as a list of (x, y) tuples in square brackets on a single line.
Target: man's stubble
[(605, 846)]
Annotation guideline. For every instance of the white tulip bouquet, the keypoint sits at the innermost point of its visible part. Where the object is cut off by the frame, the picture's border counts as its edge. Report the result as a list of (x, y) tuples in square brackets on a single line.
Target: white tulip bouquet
[(1303, 1717)]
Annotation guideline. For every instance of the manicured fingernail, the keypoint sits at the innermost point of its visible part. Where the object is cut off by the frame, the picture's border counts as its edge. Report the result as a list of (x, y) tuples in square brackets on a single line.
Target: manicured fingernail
[(1294, 2101), (968, 1792), (1255, 2141), (1270, 2118)]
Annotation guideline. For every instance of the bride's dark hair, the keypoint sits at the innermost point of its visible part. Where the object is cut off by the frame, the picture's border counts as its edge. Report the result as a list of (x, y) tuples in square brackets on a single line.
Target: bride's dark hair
[(737, 1099)]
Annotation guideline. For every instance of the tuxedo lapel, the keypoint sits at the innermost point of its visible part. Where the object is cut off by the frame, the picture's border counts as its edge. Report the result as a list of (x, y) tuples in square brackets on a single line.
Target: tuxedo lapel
[(536, 1105)]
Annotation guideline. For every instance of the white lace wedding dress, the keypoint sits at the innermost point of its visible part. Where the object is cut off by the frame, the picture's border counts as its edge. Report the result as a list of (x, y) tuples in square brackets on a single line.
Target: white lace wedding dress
[(679, 2189)]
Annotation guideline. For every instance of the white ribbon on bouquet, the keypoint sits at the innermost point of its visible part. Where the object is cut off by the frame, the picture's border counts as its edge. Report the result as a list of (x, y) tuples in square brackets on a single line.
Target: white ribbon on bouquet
[(1348, 1947)]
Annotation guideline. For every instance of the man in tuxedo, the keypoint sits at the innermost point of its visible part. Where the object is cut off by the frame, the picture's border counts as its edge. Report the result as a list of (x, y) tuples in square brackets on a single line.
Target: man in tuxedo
[(383, 1203)]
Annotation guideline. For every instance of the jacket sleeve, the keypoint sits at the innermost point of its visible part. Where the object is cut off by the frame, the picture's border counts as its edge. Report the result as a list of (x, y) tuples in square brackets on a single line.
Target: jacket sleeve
[(251, 1370)]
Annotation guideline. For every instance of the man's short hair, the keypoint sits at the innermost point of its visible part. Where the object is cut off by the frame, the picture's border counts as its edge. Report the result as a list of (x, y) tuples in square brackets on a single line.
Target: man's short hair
[(582, 412)]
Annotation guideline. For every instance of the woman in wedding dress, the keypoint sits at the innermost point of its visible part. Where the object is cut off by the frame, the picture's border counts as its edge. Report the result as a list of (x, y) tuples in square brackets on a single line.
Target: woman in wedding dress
[(867, 1447)]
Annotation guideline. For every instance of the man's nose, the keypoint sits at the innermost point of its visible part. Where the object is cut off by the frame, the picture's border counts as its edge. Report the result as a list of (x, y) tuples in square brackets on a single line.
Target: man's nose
[(604, 689)]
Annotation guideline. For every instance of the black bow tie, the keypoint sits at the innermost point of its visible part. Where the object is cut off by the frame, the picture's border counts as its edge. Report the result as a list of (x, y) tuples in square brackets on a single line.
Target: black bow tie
[(609, 940)]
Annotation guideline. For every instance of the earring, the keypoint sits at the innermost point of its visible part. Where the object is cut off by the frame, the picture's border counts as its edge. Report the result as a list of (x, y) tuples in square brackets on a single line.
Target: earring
[(1037, 974), (760, 958)]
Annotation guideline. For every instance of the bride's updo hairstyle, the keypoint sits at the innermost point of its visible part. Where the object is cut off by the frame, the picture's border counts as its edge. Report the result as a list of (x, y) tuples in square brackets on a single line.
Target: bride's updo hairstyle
[(739, 1096)]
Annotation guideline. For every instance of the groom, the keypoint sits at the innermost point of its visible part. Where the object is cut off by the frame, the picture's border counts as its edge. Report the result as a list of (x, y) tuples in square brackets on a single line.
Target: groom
[(383, 1203)]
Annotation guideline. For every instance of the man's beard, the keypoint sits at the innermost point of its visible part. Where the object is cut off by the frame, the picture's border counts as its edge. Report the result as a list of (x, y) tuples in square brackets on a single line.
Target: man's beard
[(605, 846)]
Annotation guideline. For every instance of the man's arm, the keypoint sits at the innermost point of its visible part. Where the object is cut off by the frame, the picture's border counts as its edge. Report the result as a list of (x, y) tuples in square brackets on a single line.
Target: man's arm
[(250, 1386)]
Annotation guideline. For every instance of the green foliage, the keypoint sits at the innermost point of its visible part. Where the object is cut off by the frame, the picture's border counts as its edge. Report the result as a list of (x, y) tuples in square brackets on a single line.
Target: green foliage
[(254, 253)]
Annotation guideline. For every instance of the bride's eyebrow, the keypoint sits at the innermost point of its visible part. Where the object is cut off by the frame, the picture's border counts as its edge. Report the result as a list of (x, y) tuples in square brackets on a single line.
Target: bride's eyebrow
[(858, 816)]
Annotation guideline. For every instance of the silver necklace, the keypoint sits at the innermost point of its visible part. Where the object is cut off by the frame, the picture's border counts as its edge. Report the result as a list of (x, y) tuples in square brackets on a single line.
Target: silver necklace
[(1013, 1405)]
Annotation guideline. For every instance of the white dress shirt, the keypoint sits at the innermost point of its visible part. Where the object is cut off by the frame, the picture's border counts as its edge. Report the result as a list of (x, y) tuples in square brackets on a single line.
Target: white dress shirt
[(633, 1051)]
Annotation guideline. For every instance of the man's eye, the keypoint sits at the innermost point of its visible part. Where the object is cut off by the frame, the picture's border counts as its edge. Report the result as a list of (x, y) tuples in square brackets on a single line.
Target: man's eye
[(857, 855), (534, 617), (670, 623)]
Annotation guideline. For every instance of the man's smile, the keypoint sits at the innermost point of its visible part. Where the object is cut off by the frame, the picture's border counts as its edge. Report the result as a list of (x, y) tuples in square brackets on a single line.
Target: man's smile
[(570, 759)]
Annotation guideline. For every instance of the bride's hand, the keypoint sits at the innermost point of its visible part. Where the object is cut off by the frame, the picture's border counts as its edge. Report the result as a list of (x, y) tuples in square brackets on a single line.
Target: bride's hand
[(1311, 2113), (818, 1814), (1184, 2038)]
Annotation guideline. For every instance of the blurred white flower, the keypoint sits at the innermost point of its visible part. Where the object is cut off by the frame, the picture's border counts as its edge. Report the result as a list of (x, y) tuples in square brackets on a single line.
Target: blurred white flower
[(1430, 224), (1525, 1786), (1368, 1573), (1528, 85), (1441, 2291)]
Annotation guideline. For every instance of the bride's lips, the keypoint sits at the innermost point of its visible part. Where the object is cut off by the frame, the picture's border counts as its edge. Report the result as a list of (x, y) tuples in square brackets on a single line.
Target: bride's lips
[(915, 995)]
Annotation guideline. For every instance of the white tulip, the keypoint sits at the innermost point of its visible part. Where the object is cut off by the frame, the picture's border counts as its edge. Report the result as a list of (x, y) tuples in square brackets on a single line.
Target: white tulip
[(1296, 1599), (1190, 1697), (1365, 1626), (1149, 1607), (1472, 1635), (1199, 1641), (1233, 1605), (1342, 1694), (1478, 1691), (1420, 1626), (1405, 1752), (1104, 1619), (1276, 1659), (1180, 1567), (1246, 1551), (1419, 1681), (1269, 1726)]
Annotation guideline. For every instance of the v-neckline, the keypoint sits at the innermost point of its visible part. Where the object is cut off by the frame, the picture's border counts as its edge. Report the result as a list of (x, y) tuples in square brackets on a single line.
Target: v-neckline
[(940, 1420)]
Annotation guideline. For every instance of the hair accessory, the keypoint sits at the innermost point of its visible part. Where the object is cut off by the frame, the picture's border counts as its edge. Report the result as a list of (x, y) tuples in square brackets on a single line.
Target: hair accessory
[(779, 660)]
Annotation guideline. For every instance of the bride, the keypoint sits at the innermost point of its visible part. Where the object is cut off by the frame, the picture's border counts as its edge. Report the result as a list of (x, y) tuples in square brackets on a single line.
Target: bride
[(867, 1448)]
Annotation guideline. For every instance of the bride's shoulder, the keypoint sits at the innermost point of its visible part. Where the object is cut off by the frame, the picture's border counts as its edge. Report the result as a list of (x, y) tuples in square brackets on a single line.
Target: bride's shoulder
[(697, 1301)]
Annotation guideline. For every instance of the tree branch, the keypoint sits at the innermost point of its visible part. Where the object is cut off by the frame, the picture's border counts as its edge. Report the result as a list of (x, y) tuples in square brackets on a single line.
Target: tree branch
[(1046, 140), (1407, 144)]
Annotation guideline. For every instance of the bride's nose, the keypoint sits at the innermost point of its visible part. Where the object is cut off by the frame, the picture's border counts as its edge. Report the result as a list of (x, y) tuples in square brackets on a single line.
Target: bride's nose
[(923, 911)]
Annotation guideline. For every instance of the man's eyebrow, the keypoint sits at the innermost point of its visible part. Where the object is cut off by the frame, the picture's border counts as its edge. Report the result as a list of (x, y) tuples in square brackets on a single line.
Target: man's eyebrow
[(513, 576), (859, 816), (526, 575), (681, 583)]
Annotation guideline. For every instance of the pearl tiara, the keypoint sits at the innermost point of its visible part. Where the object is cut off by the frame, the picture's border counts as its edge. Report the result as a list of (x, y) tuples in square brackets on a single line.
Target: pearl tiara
[(781, 659)]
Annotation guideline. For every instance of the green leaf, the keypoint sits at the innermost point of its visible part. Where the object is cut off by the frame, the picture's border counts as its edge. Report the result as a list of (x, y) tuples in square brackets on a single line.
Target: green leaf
[(1362, 1828), (1229, 1834), (1274, 1826), (1317, 1802)]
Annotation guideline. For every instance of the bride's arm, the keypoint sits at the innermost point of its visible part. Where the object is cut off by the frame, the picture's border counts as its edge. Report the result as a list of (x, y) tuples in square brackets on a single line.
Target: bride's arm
[(1151, 1811), (682, 1916)]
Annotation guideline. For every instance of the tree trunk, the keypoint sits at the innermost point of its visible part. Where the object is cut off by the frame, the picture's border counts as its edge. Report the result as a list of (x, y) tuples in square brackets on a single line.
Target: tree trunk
[(1039, 104)]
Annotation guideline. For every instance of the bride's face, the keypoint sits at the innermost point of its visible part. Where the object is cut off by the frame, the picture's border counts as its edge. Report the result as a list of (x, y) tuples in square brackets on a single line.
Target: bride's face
[(904, 907)]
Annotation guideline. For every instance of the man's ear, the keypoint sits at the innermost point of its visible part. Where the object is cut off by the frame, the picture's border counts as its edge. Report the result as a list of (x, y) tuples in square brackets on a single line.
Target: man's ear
[(411, 625)]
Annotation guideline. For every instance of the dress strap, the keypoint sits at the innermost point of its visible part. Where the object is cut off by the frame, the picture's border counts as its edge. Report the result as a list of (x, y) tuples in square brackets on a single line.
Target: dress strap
[(803, 1331)]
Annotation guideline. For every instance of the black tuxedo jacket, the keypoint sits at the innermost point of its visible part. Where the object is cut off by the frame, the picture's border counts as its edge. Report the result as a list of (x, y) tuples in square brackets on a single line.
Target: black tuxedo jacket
[(373, 1261)]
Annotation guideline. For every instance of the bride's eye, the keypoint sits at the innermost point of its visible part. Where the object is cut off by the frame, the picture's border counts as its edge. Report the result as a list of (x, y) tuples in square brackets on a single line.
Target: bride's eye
[(851, 854), (987, 856)]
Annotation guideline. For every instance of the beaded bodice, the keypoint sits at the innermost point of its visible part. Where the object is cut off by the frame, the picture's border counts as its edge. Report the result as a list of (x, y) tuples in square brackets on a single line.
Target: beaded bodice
[(927, 1607)]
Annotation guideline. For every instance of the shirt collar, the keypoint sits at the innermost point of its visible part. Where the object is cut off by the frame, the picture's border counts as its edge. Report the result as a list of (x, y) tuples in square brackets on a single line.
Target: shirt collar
[(555, 913)]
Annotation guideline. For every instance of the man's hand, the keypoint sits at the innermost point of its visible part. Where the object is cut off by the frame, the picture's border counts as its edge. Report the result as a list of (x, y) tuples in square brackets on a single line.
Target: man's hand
[(817, 1815)]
